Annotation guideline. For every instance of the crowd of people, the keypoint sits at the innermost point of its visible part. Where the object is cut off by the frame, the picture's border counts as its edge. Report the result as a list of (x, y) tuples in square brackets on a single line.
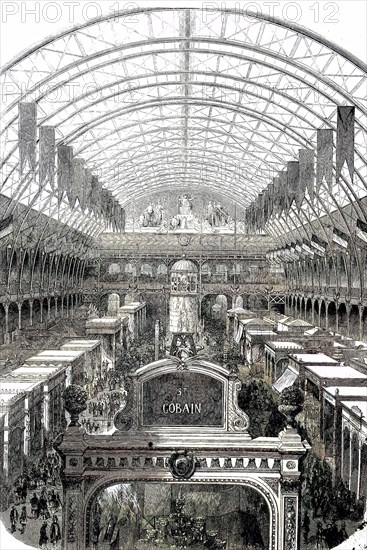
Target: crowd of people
[(106, 405), (36, 497), (326, 537), (331, 535), (109, 397), (95, 382)]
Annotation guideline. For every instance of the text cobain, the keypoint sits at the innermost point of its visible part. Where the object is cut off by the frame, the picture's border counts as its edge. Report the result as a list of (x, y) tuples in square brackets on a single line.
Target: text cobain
[(181, 408)]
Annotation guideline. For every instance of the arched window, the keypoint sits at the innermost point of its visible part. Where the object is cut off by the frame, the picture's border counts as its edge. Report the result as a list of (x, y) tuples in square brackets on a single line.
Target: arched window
[(146, 269)]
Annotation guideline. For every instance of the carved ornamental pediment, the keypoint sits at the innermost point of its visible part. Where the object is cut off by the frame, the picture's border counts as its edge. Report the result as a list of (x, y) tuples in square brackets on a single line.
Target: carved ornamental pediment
[(201, 397)]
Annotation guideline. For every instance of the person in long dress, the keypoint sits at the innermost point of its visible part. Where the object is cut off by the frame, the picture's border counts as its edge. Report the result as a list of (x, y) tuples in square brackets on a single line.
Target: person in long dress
[(43, 540), (55, 532)]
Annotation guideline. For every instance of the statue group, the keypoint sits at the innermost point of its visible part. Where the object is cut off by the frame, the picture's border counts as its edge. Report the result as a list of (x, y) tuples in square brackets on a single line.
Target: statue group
[(216, 216), (185, 217), (152, 216)]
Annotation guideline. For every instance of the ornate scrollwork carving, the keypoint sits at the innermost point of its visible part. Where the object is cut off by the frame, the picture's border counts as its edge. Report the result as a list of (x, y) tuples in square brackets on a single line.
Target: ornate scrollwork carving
[(290, 524), (72, 519), (238, 420), (124, 418)]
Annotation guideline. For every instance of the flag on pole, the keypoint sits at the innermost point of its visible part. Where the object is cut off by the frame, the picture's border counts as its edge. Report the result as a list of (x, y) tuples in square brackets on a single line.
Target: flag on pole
[(27, 135), (307, 172), (47, 156), (324, 163), (345, 140)]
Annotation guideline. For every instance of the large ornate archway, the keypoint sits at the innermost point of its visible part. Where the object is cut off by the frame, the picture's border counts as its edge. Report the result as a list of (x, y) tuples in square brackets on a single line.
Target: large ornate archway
[(182, 424)]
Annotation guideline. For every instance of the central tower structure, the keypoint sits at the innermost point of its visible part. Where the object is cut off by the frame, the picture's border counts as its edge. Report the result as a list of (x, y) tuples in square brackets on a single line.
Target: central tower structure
[(183, 306)]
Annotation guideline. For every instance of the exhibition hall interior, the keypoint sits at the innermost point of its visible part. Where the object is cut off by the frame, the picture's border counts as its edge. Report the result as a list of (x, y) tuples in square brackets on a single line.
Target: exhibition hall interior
[(183, 301)]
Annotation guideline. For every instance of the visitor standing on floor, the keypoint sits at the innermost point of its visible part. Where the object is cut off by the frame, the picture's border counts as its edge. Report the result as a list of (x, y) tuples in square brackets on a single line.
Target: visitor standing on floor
[(14, 515), (55, 532), (43, 536), (23, 519)]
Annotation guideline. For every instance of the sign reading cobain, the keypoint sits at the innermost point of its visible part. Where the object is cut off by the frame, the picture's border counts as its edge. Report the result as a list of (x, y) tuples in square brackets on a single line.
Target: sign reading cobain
[(183, 399)]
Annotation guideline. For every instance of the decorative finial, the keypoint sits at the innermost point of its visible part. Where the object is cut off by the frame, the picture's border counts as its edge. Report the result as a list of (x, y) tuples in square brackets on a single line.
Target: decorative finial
[(75, 399)]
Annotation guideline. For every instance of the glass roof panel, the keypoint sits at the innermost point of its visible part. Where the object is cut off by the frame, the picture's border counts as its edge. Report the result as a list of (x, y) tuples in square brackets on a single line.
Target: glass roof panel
[(161, 98)]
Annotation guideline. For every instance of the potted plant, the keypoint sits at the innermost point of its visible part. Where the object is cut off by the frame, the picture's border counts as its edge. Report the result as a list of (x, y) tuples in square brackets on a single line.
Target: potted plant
[(291, 404), (75, 399)]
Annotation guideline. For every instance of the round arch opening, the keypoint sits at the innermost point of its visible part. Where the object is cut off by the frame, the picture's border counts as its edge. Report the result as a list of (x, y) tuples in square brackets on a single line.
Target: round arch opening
[(145, 514)]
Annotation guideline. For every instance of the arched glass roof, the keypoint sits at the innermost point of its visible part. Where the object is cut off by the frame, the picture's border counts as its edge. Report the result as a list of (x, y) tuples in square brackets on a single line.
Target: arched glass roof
[(159, 99)]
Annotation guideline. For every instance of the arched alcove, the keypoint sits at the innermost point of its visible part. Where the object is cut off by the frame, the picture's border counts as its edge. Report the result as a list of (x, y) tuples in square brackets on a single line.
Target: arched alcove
[(146, 271), (123, 513)]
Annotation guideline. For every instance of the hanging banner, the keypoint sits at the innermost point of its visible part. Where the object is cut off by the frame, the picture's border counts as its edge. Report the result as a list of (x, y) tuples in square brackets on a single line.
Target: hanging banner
[(283, 193), (6, 226), (27, 135), (294, 192), (318, 244), (298, 247), (306, 247), (340, 238), (270, 199), (95, 197), (324, 162), (293, 251), (260, 211), (345, 141), (265, 206), (65, 170), (79, 176), (85, 201), (277, 197), (307, 172), (361, 230), (47, 156)]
